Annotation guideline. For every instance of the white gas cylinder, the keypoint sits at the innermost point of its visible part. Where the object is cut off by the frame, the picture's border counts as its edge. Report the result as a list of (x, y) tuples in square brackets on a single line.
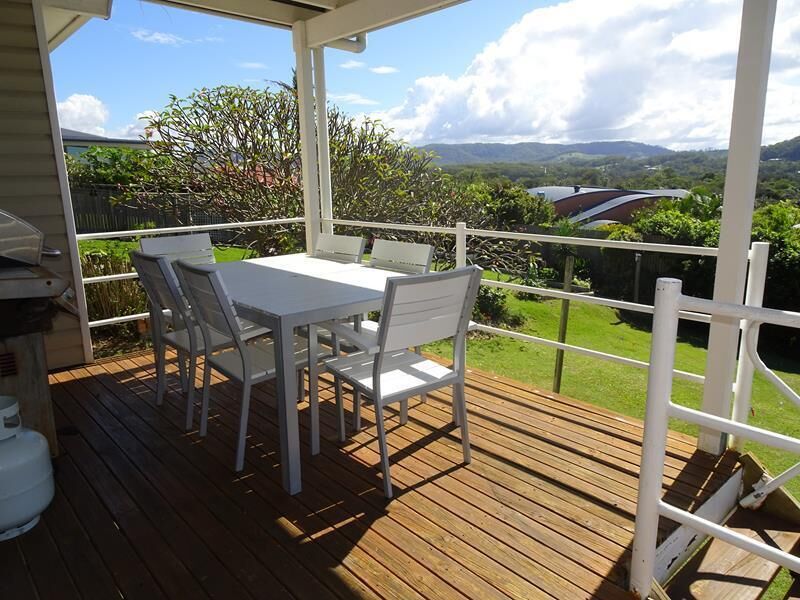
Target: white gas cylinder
[(26, 474)]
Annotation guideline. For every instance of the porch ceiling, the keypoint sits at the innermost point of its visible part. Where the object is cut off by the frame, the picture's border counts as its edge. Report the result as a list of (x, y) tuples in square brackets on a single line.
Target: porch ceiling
[(327, 20)]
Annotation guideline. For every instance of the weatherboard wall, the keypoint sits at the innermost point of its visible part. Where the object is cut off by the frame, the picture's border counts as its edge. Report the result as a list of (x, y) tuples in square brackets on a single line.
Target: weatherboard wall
[(32, 183)]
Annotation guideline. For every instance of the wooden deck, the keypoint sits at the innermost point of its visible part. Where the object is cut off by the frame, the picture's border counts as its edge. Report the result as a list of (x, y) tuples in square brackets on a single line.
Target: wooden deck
[(144, 510)]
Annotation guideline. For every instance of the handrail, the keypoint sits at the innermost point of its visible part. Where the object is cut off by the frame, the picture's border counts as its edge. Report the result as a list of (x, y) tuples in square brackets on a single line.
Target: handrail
[(631, 362), (599, 243), (397, 226), (751, 337), (610, 302), (186, 229), (650, 506)]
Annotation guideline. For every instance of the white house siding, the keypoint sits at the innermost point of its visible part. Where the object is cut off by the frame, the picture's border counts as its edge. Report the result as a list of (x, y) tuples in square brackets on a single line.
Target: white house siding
[(29, 174)]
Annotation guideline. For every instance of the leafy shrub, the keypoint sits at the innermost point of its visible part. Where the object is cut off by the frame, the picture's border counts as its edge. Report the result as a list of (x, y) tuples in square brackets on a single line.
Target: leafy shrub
[(111, 298), (491, 308), (102, 165), (510, 205), (774, 223)]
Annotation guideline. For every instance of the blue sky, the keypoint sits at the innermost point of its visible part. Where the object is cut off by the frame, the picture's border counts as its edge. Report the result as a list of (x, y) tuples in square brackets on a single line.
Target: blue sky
[(145, 52), (656, 71)]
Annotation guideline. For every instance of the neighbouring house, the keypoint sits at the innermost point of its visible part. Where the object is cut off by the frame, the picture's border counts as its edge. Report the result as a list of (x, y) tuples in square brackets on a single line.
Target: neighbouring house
[(587, 204), (77, 142)]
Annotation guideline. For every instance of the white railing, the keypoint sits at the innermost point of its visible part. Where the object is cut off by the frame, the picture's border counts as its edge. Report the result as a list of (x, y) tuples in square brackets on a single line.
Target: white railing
[(462, 233), (106, 235), (668, 304)]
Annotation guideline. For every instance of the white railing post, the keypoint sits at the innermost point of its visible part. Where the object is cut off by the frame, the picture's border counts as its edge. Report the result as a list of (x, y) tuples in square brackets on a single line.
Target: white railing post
[(654, 443), (741, 177), (461, 244), (308, 134), (323, 143), (743, 388)]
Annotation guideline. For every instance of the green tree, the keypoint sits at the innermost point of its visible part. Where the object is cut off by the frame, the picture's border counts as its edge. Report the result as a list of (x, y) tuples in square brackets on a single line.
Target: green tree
[(104, 165), (236, 153)]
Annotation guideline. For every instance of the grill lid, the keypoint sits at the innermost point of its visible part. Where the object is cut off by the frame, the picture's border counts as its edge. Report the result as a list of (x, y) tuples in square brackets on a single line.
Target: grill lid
[(20, 242)]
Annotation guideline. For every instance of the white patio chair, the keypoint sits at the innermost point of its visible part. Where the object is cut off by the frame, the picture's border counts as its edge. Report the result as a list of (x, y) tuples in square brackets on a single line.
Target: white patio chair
[(341, 248), (417, 310), (403, 257), (246, 361), (195, 248), (182, 332)]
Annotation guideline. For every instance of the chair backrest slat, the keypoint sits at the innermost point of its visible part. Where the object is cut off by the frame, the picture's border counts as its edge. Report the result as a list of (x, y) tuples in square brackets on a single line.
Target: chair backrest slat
[(195, 248), (159, 282), (209, 298), (342, 248), (419, 309), (404, 257)]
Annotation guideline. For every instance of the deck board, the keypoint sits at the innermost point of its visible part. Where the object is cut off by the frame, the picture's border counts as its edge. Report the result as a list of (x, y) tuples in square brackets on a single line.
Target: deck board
[(545, 510)]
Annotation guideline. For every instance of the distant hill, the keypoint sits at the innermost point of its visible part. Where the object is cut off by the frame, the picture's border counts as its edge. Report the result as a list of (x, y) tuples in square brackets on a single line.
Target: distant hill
[(786, 150), (535, 152)]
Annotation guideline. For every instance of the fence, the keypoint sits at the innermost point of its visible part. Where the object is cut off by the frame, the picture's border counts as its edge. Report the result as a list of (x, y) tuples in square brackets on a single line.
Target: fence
[(96, 211)]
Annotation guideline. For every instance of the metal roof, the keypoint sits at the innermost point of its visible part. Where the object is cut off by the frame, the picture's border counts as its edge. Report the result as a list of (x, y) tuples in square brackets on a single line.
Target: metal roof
[(609, 204), (72, 137)]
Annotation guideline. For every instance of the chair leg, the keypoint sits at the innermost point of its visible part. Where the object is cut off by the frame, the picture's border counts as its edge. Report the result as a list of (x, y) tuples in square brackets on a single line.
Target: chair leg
[(404, 411), (240, 444), (301, 388), (337, 384), (161, 373), (190, 392), (182, 371), (206, 395), (422, 397), (356, 410), (460, 401), (387, 480), (313, 405)]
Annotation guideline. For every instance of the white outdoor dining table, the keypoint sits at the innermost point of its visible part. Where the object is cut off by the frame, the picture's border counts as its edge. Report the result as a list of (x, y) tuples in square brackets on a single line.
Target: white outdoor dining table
[(286, 292)]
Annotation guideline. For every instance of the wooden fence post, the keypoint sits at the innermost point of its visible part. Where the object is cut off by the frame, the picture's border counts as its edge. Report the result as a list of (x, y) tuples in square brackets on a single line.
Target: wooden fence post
[(569, 266)]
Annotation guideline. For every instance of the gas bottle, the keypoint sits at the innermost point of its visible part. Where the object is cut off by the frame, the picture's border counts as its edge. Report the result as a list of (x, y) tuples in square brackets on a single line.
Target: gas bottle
[(26, 473)]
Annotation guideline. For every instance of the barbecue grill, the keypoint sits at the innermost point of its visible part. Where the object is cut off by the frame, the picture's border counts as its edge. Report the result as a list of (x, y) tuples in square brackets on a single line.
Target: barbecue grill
[(30, 297)]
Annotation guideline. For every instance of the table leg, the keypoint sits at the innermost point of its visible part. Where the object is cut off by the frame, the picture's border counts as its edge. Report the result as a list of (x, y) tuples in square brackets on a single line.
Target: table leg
[(313, 388), (286, 387)]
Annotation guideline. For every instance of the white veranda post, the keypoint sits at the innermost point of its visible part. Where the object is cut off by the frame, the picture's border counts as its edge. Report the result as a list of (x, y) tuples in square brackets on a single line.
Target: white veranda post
[(323, 143), (752, 70), (308, 135)]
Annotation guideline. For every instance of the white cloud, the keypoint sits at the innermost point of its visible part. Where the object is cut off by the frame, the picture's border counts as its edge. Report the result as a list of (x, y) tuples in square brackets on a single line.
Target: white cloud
[(352, 98), (255, 66), (657, 71), (353, 64), (383, 70), (136, 129), (158, 37), (83, 112)]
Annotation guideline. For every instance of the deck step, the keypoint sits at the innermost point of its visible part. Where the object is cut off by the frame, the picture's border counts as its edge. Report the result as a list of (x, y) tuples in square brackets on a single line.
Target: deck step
[(720, 570)]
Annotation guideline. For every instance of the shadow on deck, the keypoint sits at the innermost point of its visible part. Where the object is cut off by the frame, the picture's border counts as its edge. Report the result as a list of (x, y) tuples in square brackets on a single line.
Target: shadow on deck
[(145, 510)]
